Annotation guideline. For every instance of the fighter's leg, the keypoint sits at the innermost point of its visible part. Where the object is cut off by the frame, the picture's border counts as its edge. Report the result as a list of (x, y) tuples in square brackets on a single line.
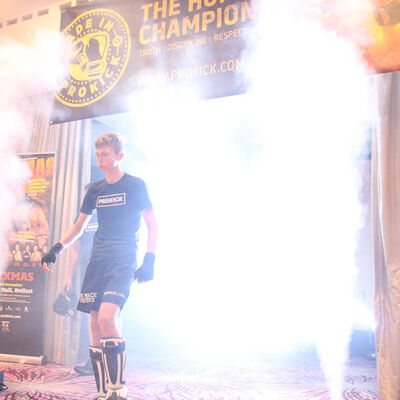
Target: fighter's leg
[(96, 356), (95, 331), (113, 347), (108, 320)]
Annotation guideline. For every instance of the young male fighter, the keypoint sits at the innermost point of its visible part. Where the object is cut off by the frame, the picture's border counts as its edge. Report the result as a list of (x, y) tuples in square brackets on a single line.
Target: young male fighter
[(120, 200)]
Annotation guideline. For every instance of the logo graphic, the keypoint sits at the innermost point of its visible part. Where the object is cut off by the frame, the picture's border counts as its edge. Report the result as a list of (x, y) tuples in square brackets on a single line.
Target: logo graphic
[(87, 297), (5, 326), (100, 47), (111, 200), (114, 293)]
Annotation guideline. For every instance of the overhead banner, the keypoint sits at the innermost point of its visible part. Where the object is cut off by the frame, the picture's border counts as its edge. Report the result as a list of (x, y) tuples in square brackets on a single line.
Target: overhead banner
[(22, 284), (119, 47)]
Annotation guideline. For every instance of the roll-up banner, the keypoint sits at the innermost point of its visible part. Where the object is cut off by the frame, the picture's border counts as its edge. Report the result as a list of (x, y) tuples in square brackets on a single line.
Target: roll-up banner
[(119, 47), (22, 284)]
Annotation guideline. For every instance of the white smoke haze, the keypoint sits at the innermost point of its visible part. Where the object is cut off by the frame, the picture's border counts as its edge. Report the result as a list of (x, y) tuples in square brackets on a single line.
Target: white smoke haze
[(256, 195), (257, 199), (26, 70), (315, 89)]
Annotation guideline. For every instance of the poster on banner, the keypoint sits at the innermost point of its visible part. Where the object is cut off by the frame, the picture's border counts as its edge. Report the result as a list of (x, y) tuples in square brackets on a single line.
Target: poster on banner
[(117, 48), (22, 284)]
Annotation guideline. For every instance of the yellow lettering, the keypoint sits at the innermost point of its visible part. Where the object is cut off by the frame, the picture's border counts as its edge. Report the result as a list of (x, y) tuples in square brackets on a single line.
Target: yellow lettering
[(173, 28), (249, 11), (109, 25), (79, 29), (193, 25), (40, 168), (219, 17), (157, 9), (194, 2), (160, 31), (228, 15), (172, 6), (82, 91), (142, 34), (71, 91), (199, 4), (235, 14), (146, 9), (208, 17), (174, 73), (89, 23), (31, 164), (93, 87)]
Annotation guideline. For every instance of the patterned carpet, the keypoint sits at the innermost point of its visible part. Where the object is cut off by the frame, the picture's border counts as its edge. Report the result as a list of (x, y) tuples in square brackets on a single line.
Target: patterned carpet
[(296, 379)]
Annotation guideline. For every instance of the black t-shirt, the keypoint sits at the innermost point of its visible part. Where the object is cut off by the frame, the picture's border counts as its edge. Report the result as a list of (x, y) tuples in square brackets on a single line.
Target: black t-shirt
[(119, 206)]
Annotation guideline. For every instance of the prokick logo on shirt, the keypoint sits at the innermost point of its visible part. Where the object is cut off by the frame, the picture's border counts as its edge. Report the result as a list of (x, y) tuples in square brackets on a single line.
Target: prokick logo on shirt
[(111, 200)]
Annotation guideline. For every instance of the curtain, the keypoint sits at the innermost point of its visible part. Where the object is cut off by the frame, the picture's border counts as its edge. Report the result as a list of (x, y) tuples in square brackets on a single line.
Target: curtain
[(71, 142), (385, 202)]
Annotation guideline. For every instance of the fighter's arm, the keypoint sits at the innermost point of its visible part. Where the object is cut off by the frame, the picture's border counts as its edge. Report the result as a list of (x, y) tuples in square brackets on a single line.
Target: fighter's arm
[(152, 229), (146, 271), (67, 239), (76, 230)]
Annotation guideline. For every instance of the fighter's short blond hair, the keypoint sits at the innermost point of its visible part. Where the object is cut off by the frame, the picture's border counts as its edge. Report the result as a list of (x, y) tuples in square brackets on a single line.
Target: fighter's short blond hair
[(112, 139)]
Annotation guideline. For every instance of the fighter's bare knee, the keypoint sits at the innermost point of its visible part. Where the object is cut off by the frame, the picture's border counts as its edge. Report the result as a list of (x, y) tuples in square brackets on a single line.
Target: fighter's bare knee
[(107, 320)]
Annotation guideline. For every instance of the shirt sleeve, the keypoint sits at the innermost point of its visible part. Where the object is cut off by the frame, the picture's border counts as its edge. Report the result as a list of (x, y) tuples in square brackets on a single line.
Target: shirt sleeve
[(143, 197), (88, 205)]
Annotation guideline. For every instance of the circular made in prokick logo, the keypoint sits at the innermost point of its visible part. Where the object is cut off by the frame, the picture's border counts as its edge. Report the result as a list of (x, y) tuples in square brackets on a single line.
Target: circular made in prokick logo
[(99, 52)]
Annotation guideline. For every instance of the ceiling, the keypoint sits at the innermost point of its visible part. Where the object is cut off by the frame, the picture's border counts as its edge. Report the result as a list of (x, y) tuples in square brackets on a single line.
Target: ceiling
[(17, 8)]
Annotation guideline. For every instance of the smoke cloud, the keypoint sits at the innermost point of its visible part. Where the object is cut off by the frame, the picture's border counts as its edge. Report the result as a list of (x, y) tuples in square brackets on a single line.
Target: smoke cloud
[(257, 198), (26, 70), (256, 195)]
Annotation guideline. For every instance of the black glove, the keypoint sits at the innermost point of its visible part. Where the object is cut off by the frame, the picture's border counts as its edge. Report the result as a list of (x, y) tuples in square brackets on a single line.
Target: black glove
[(51, 256), (65, 303), (146, 271)]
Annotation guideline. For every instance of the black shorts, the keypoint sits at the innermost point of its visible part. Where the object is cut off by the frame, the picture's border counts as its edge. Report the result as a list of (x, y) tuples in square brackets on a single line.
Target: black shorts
[(106, 281)]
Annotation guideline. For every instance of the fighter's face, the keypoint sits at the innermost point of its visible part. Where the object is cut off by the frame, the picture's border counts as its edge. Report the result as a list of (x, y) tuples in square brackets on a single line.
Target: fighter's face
[(107, 158)]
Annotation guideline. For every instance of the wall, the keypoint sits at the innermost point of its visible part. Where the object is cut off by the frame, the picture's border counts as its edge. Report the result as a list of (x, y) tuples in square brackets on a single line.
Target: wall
[(21, 19)]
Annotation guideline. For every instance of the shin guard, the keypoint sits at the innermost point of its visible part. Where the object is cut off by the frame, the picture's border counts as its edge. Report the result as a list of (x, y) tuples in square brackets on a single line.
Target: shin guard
[(114, 364), (96, 356)]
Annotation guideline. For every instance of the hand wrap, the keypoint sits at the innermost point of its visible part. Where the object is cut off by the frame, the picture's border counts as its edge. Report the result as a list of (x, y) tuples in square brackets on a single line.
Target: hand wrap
[(51, 256), (146, 272)]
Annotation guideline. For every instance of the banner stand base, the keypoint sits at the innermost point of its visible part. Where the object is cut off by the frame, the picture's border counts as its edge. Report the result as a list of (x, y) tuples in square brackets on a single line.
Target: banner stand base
[(40, 360)]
